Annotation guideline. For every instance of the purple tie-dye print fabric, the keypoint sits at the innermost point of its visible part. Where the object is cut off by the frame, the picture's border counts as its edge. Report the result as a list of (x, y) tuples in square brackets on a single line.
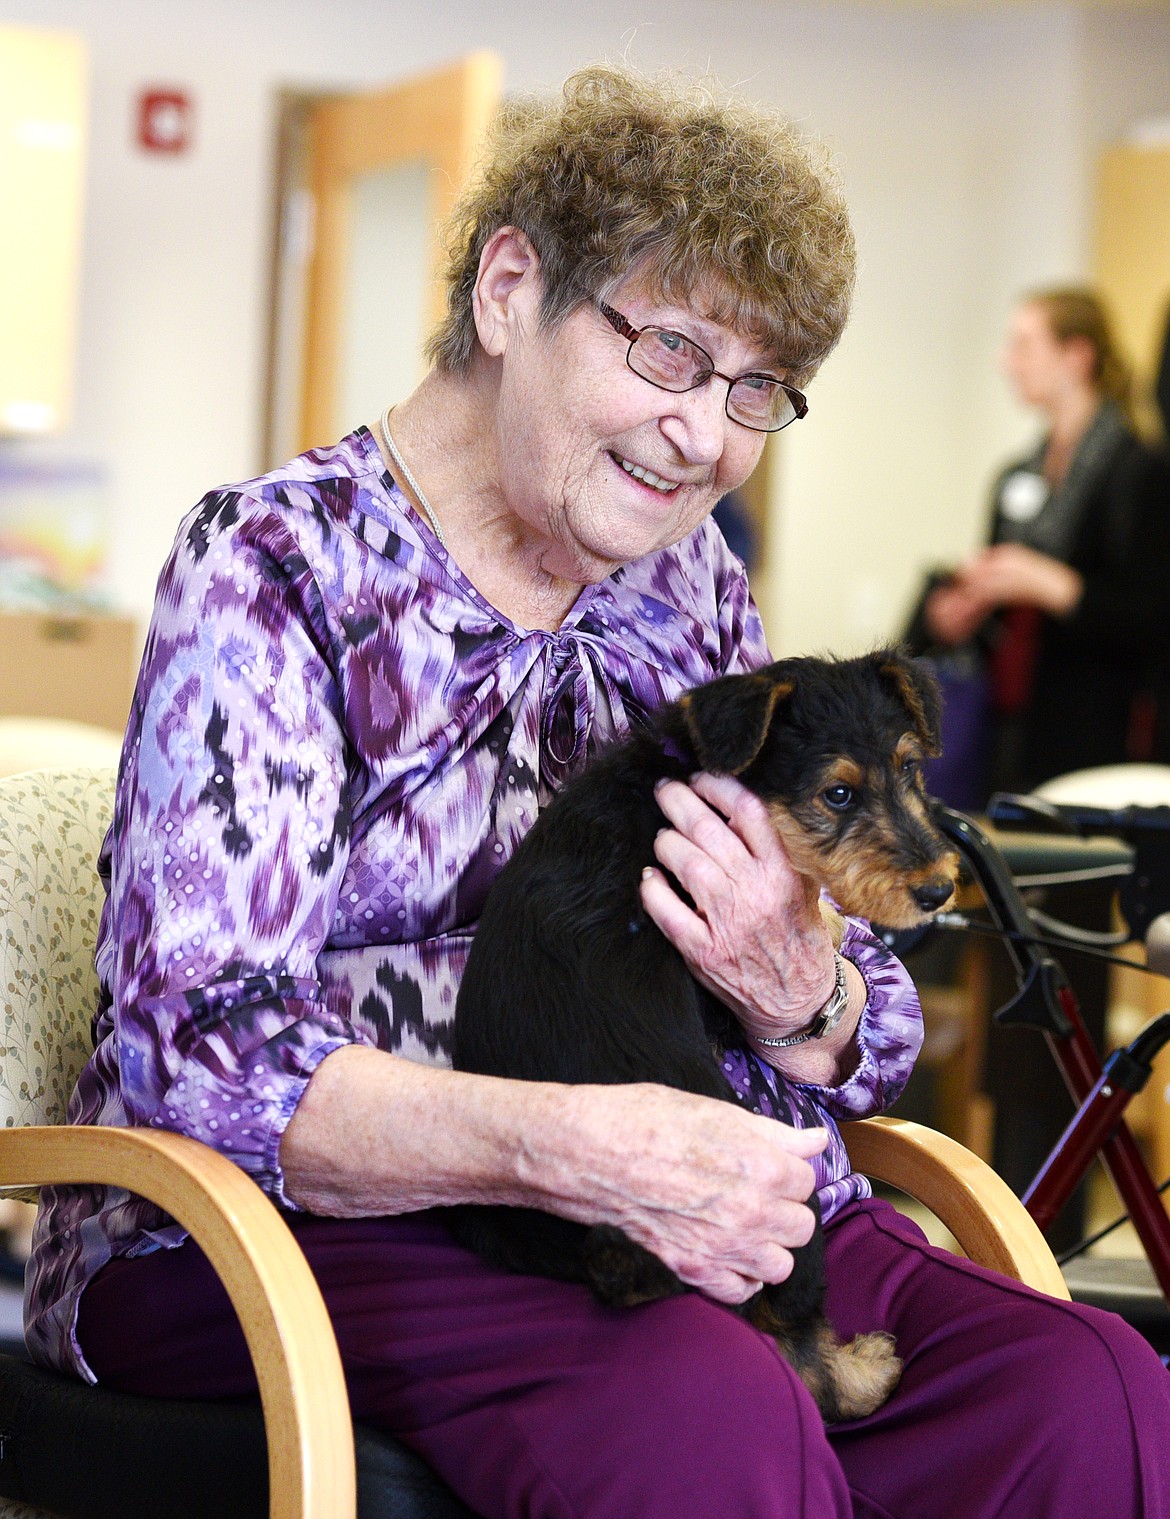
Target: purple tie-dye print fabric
[(335, 744)]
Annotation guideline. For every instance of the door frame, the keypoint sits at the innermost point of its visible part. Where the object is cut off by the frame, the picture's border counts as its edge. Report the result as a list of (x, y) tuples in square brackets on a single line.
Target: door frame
[(437, 119)]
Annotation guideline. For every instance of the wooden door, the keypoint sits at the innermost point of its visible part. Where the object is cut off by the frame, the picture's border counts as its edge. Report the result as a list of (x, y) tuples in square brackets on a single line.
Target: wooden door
[(1132, 270), (1132, 262), (381, 171)]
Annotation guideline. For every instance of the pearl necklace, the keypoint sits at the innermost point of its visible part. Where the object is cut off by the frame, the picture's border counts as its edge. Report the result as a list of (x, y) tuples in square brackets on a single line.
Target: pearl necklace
[(393, 451)]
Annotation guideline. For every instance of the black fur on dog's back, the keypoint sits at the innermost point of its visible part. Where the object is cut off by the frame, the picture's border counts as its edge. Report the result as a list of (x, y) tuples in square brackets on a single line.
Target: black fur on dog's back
[(568, 979)]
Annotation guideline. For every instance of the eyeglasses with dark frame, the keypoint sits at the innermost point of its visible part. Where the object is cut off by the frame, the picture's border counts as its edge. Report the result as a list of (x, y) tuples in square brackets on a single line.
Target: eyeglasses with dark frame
[(672, 361)]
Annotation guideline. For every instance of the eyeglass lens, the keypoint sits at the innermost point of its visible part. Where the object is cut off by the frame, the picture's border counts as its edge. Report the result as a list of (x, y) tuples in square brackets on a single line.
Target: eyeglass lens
[(675, 363)]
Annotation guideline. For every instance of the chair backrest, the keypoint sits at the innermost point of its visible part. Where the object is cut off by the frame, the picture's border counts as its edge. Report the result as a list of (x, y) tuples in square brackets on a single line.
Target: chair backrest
[(52, 823)]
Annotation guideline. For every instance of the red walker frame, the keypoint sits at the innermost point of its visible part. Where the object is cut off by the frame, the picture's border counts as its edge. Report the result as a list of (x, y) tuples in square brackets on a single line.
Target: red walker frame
[(1103, 1091)]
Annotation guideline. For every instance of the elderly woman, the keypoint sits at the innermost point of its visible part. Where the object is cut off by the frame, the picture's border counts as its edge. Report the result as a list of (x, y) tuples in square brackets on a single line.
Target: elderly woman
[(366, 673)]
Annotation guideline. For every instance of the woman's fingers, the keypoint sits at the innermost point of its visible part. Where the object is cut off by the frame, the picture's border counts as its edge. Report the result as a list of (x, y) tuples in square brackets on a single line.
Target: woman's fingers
[(718, 1194), (747, 816), (730, 1286), (691, 816), (726, 855), (721, 840), (731, 1269), (748, 926), (805, 1143), (721, 817), (685, 929), (704, 878)]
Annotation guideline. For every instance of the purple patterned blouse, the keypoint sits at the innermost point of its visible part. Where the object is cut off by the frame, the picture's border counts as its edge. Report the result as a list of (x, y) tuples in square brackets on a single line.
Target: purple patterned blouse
[(335, 744)]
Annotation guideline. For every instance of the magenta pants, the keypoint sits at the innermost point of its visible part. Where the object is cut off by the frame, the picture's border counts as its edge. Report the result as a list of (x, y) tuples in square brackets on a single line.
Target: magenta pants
[(531, 1399)]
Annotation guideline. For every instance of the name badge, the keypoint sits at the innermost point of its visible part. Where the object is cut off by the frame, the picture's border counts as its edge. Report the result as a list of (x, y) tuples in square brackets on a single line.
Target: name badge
[(1023, 495)]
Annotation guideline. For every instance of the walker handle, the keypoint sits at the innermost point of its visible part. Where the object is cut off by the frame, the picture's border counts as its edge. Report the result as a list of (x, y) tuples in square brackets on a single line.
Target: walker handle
[(1008, 810)]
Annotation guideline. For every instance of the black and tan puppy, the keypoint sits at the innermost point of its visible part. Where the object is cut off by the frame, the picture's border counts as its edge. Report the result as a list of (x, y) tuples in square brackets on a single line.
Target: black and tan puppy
[(569, 980)]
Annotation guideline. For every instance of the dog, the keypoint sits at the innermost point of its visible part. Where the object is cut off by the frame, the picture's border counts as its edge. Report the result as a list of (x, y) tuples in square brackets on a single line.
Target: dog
[(568, 980)]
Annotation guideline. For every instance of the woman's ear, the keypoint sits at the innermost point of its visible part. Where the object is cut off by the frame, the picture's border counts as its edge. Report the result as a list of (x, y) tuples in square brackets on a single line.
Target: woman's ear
[(509, 273)]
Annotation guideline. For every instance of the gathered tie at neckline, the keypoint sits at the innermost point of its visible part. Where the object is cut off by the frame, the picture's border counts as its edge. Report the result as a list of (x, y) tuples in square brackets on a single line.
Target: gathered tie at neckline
[(576, 669)]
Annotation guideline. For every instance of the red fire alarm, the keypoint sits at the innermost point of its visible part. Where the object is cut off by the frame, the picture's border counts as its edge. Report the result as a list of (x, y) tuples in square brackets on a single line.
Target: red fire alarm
[(164, 121)]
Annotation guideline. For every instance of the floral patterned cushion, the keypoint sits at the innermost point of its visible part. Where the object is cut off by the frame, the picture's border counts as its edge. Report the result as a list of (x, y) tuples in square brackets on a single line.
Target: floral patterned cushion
[(11, 1510), (51, 827)]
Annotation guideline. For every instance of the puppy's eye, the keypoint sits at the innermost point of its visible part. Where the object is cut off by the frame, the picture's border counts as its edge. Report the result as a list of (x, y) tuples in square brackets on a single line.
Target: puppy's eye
[(912, 770), (838, 797)]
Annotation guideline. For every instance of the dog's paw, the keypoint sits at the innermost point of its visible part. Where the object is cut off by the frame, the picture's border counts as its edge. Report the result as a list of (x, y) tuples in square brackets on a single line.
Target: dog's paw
[(864, 1372)]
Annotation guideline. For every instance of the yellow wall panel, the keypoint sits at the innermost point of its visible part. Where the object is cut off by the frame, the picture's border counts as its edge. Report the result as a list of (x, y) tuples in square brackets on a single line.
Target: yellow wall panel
[(1133, 256), (42, 136)]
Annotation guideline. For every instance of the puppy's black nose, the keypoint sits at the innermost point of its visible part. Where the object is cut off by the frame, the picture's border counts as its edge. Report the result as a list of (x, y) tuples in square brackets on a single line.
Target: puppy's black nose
[(932, 894)]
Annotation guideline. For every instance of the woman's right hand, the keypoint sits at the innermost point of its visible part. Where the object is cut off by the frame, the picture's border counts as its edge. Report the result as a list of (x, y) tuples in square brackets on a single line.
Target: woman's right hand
[(717, 1193)]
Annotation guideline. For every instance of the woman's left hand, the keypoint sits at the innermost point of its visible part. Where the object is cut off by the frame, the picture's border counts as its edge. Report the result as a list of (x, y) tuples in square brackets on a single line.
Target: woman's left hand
[(1008, 574), (755, 937)]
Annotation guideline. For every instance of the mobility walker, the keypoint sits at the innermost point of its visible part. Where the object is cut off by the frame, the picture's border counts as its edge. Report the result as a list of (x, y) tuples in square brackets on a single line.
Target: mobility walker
[(1045, 1001)]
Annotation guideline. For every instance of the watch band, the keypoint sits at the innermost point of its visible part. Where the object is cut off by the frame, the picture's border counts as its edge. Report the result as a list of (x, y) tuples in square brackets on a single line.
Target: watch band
[(825, 1020)]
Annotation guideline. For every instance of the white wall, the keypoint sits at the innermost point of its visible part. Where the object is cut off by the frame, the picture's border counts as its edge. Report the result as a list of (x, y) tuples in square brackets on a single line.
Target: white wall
[(966, 138)]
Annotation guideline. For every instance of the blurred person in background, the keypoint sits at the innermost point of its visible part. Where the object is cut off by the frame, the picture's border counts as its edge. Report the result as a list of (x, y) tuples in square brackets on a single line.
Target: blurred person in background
[(1069, 599)]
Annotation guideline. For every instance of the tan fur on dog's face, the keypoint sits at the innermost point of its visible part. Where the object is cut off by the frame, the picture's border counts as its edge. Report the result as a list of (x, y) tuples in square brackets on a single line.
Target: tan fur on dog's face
[(835, 750), (874, 854)]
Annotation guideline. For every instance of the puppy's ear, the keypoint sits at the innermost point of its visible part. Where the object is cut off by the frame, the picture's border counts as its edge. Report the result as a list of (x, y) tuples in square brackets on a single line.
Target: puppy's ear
[(919, 693), (727, 721)]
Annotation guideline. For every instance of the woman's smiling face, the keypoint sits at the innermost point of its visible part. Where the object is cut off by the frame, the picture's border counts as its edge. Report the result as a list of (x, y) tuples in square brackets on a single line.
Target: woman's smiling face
[(600, 464)]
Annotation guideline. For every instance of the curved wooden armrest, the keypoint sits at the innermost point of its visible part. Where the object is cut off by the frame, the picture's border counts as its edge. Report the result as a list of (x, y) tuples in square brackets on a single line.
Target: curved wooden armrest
[(302, 1387), (979, 1208)]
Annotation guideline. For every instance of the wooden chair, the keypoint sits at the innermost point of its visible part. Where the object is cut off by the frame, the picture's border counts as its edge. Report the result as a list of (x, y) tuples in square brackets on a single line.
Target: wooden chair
[(51, 826), (984, 1215)]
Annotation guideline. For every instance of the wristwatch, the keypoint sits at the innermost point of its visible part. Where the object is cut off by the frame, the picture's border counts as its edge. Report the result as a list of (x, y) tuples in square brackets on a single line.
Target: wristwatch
[(826, 1019)]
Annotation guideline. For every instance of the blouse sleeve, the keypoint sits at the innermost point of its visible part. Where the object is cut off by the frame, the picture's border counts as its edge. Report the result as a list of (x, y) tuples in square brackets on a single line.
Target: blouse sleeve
[(229, 842), (889, 1035)]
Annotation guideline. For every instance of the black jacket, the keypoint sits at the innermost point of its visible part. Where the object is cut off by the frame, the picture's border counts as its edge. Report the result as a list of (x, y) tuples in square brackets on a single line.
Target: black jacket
[(1104, 670)]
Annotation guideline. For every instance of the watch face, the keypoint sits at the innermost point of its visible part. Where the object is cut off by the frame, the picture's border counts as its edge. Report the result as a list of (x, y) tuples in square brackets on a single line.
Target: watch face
[(834, 1009), (824, 1021)]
